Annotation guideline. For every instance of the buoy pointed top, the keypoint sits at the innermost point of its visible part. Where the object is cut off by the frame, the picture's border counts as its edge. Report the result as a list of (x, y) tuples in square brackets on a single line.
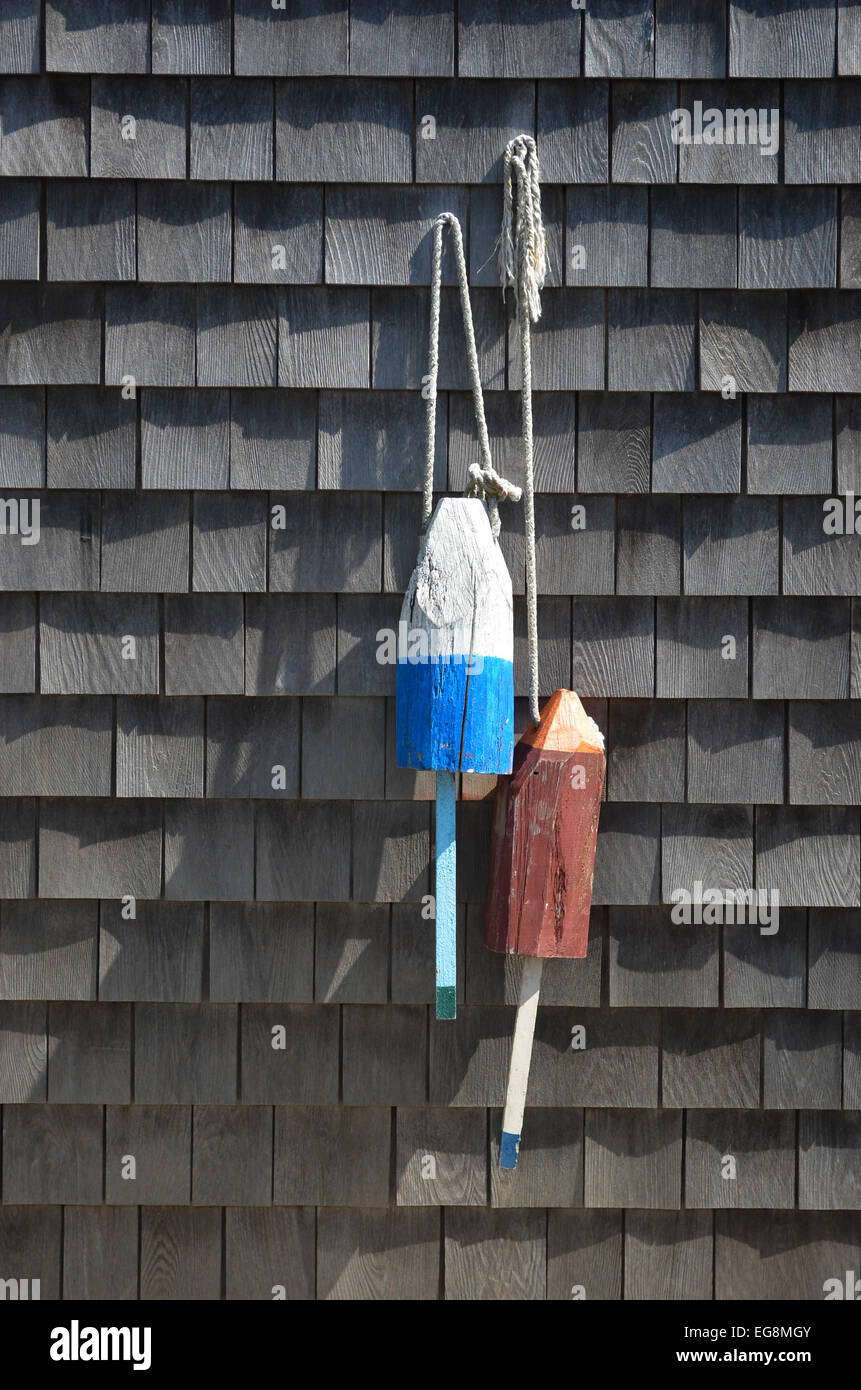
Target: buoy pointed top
[(565, 727)]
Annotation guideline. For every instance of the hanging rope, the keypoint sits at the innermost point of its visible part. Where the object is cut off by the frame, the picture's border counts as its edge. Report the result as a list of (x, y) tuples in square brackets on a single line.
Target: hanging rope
[(523, 267), (484, 481)]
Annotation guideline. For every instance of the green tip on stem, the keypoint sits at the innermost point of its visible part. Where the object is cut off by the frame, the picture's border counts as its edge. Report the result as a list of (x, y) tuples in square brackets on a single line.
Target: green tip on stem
[(446, 1001)]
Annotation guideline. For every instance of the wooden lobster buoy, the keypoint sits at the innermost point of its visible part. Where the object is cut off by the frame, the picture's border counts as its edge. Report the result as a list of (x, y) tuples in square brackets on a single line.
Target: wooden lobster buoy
[(542, 861), (455, 686)]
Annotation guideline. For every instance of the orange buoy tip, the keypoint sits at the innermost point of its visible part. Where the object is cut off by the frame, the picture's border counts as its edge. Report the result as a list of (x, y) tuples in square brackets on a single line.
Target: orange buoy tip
[(565, 727)]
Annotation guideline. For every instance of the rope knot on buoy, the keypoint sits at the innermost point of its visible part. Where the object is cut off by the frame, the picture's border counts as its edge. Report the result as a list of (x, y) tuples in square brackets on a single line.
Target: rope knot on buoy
[(486, 483)]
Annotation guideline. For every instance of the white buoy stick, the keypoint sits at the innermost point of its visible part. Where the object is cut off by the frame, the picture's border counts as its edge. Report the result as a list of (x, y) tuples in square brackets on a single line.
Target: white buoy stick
[(521, 1056)]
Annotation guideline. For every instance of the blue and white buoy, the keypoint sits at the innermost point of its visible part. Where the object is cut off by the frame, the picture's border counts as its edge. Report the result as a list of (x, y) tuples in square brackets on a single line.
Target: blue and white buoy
[(455, 685)]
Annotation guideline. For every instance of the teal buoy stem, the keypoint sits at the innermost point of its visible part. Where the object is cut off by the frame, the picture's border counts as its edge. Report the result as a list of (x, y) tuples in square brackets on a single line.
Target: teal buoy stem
[(446, 896)]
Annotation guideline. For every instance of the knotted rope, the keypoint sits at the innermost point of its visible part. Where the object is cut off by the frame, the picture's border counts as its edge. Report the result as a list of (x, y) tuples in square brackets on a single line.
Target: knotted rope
[(523, 266), (484, 481)]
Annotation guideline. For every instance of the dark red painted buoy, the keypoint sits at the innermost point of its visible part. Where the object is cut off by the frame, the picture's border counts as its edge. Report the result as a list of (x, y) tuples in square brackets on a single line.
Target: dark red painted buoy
[(545, 826)]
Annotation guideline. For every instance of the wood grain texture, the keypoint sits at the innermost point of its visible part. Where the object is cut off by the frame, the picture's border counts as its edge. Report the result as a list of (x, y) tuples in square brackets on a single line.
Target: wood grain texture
[(690, 39), (159, 1139), (381, 1255), (415, 38), (204, 1035), (802, 1059), (809, 854), (18, 644), (55, 747), (821, 132), (400, 325), (48, 950), (100, 1253), (184, 232), (822, 329), (330, 130), (763, 1146), (236, 337), (619, 39), (633, 1158), (391, 849), (371, 440), (149, 335), (711, 1058), (693, 240), (384, 236), (159, 747), (343, 748), (607, 236), (828, 1148), (232, 1156), (642, 148), (456, 1142), (22, 436), (627, 860), (19, 230), (469, 1057), (332, 1156), (668, 1255), (774, 1254), (767, 971), (573, 131), (267, 1251), (800, 648), (648, 545), (712, 845), (323, 337), (188, 36), (89, 1053), (65, 552), (180, 1255), (157, 955), (19, 39), (789, 444), (696, 444), (646, 751), (613, 439), (290, 644), (515, 40), (780, 41), (652, 962), (278, 234), (261, 952), (228, 542), (308, 37), (731, 546), (18, 848), (618, 1066), (549, 1170), (317, 867), (850, 237), (302, 1072), (158, 149), (413, 955), (44, 127), (651, 340), (735, 751), (90, 230), (232, 132), (614, 646), (739, 164), (475, 119), (273, 439), (91, 438), (208, 850), (834, 959), (691, 635), (243, 736), (351, 957), (816, 562), (53, 1154), (743, 337), (567, 342), (145, 543), (787, 238), (584, 1252), (97, 36), (824, 757), (301, 556), (95, 848), (24, 1050), (50, 335), (203, 645), (495, 1256), (32, 1238)]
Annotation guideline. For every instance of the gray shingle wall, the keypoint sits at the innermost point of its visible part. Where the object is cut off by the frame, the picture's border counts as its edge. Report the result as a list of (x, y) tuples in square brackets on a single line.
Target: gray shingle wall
[(212, 339)]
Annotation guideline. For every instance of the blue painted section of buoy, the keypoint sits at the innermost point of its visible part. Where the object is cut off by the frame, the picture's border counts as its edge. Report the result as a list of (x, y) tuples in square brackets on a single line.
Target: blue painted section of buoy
[(446, 897), (508, 1150), (456, 715)]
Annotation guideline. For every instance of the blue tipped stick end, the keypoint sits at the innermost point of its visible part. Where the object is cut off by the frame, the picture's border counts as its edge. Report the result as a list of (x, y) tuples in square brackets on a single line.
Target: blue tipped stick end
[(508, 1150), (446, 1001)]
